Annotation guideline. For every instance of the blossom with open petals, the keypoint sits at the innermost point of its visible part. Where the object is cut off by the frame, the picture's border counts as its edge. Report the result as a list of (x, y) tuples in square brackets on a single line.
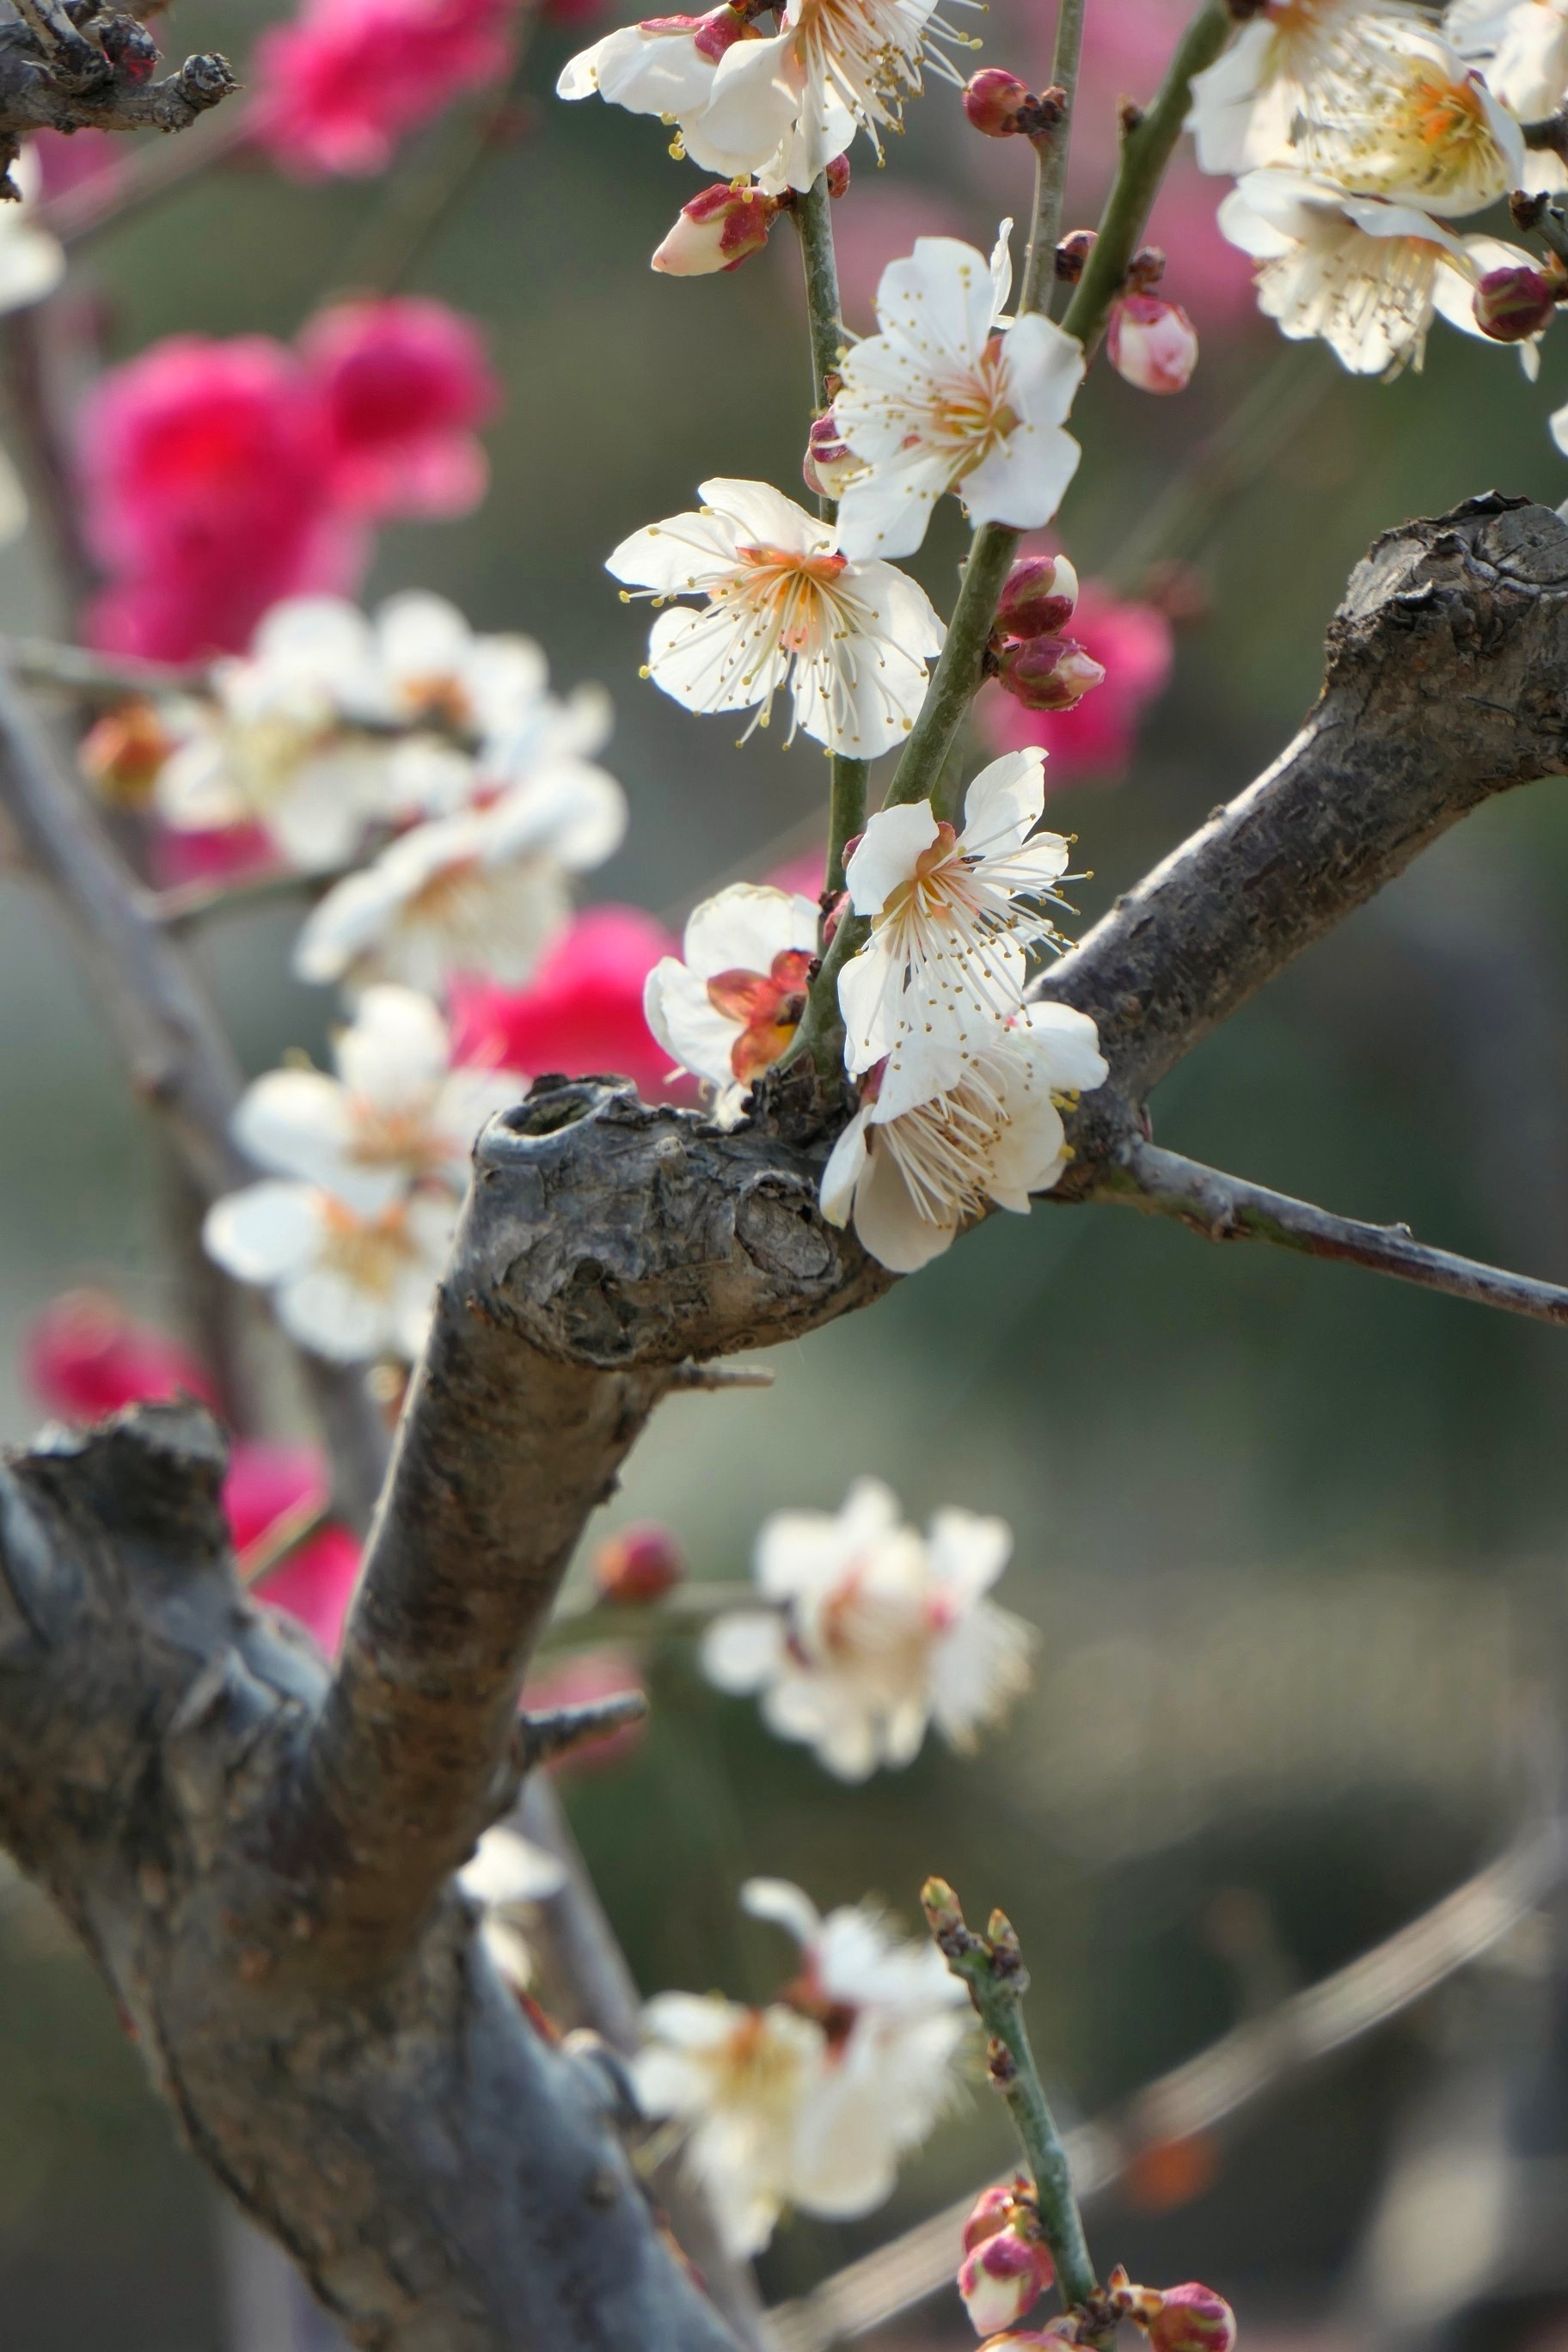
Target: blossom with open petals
[(726, 1008), (346, 1285), (483, 892), (874, 1631), (1289, 65), (1367, 277), (738, 2078), (1425, 130), (909, 1177), (404, 381), (944, 399), (784, 606), (344, 81), (780, 106), (951, 917)]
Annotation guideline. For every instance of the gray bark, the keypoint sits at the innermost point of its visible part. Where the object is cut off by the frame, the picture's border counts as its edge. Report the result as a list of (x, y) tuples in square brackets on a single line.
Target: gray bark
[(261, 1857)]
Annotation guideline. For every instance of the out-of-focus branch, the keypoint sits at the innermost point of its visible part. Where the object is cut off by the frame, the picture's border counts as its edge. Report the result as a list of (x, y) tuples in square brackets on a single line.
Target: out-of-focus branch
[(1256, 2058), (76, 672), (1225, 1209), (46, 86)]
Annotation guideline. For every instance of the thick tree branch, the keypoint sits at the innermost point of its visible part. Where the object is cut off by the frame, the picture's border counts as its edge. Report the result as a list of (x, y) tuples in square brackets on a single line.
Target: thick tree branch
[(54, 78)]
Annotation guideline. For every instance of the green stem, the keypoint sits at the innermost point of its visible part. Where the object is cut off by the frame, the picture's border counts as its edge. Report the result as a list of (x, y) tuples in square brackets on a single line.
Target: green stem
[(1146, 149), (1051, 164), (848, 815), (992, 1966), (813, 225)]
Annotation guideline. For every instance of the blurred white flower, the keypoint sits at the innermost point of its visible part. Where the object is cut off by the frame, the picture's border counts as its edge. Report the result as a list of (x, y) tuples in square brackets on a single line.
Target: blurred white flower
[(784, 607), (1426, 131), (1296, 62), (728, 1006), (944, 399), (951, 916), (910, 1177), (351, 1231), (779, 106), (875, 1631), (1367, 277), (811, 2101), (506, 1875), (482, 892), (1523, 45), (32, 262)]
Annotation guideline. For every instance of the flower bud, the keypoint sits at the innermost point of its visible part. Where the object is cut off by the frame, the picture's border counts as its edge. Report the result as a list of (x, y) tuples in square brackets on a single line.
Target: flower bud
[(1039, 598), (1152, 343), (836, 170), (122, 754), (711, 35), (1048, 673), (640, 1564), (717, 230), (1072, 253), (996, 101), (1510, 305), (1002, 2278), (1192, 2318), (995, 2208), (829, 464), (943, 1911)]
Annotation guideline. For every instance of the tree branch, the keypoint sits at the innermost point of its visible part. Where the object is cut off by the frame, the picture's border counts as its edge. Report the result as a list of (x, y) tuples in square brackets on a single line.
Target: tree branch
[(40, 91)]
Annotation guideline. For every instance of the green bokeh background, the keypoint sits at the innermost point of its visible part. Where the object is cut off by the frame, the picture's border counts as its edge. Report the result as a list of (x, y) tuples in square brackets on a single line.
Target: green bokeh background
[(1289, 1532)]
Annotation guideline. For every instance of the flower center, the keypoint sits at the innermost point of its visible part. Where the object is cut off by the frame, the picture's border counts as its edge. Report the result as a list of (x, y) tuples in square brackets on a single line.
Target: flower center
[(368, 1252), (792, 595), (396, 1139), (970, 415), (438, 700)]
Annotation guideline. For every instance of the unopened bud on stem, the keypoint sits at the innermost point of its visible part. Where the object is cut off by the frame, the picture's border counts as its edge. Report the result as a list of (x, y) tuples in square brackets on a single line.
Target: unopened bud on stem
[(1038, 597), (1002, 2278), (639, 1565), (1048, 673), (1514, 303), (1191, 2318), (1152, 343), (717, 230)]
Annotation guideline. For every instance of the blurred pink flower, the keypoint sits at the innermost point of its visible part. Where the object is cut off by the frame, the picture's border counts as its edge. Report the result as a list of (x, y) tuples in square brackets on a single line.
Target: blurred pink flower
[(881, 223), (70, 163), (238, 850), (581, 1012), (1095, 739), (315, 1584), (806, 876), (337, 88), (403, 383), (204, 472), (84, 1357)]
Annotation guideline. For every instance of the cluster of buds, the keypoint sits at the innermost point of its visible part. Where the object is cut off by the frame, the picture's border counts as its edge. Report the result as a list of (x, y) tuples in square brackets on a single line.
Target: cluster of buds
[(717, 230), (1030, 656), (1190, 2318), (640, 1564), (1002, 106), (1150, 343), (1006, 2265)]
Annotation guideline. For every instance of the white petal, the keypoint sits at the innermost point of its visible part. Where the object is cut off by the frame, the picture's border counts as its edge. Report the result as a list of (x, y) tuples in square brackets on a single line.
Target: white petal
[(741, 1652), (677, 556), (846, 1166), (745, 927), (508, 1869), (968, 1552), (297, 1123), (266, 1232), (686, 1024), (1023, 479), (785, 1905), (395, 1051), (890, 850), (888, 1224), (1005, 802)]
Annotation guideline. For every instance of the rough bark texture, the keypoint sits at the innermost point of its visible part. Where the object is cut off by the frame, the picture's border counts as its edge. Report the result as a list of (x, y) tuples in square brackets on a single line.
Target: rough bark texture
[(75, 67), (262, 1863)]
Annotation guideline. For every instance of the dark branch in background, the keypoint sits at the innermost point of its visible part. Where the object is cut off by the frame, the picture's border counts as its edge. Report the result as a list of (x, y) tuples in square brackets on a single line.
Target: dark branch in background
[(53, 76)]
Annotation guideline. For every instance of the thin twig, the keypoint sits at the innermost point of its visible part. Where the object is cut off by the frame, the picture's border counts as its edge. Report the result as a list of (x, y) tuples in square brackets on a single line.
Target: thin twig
[(1254, 2059), (719, 1375), (194, 903), (74, 670), (1225, 1209), (144, 175), (288, 1534), (588, 1617)]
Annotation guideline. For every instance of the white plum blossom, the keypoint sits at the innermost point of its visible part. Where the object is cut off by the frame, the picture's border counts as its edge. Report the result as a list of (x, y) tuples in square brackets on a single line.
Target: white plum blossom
[(351, 1229), (945, 397), (778, 105), (1294, 62), (784, 607), (507, 1876), (951, 917), (873, 1632), (810, 2100), (1366, 278), (726, 1008), (485, 891), (908, 1177), (1427, 131), (1523, 45)]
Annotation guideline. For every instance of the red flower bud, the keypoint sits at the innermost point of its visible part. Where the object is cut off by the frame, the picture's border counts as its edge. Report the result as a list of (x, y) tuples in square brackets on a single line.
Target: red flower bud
[(1512, 304), (838, 172), (1002, 2278), (717, 230), (995, 101), (829, 464), (1152, 343), (1048, 673), (639, 1565), (1039, 598), (1192, 2318)]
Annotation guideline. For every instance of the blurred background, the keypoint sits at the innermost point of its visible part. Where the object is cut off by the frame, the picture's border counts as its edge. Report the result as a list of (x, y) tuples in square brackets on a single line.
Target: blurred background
[(1292, 1535)]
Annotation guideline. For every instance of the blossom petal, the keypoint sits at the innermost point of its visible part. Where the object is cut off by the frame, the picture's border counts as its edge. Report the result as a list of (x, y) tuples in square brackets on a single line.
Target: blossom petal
[(266, 1232), (888, 1222), (891, 848), (739, 1653)]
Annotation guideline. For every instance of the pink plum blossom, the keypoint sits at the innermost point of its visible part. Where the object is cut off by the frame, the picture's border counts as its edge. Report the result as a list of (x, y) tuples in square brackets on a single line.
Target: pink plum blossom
[(84, 1357), (1095, 740), (337, 88), (581, 1013), (403, 383), (314, 1584)]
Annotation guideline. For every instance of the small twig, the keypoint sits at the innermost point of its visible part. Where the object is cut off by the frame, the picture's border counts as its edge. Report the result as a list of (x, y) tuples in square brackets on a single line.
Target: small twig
[(75, 670), (545, 1738), (1052, 147), (288, 1534), (589, 1617), (721, 1375), (40, 407), (992, 1966), (194, 903), (1549, 136), (1223, 1208)]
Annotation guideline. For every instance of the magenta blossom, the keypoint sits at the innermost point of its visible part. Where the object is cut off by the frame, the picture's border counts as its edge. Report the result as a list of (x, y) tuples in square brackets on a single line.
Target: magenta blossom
[(1095, 740), (266, 1482), (85, 1357), (339, 87), (582, 1010), (403, 383)]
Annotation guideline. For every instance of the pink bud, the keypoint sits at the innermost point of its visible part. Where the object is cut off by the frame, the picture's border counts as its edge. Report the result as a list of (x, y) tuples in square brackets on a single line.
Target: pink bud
[(1039, 598), (1152, 343), (992, 2209), (995, 101), (1002, 2278), (711, 35), (1510, 305), (640, 1564), (829, 464), (1048, 673), (717, 230), (1192, 2318), (837, 171)]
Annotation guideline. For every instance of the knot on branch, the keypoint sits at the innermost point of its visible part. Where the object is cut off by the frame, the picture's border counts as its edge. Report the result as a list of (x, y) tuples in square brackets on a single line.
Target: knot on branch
[(71, 65), (616, 1234)]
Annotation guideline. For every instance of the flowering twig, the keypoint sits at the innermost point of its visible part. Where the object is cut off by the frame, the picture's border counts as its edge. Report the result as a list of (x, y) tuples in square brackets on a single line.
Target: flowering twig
[(1226, 1209), (1148, 143), (1255, 2058), (193, 903), (992, 1966)]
